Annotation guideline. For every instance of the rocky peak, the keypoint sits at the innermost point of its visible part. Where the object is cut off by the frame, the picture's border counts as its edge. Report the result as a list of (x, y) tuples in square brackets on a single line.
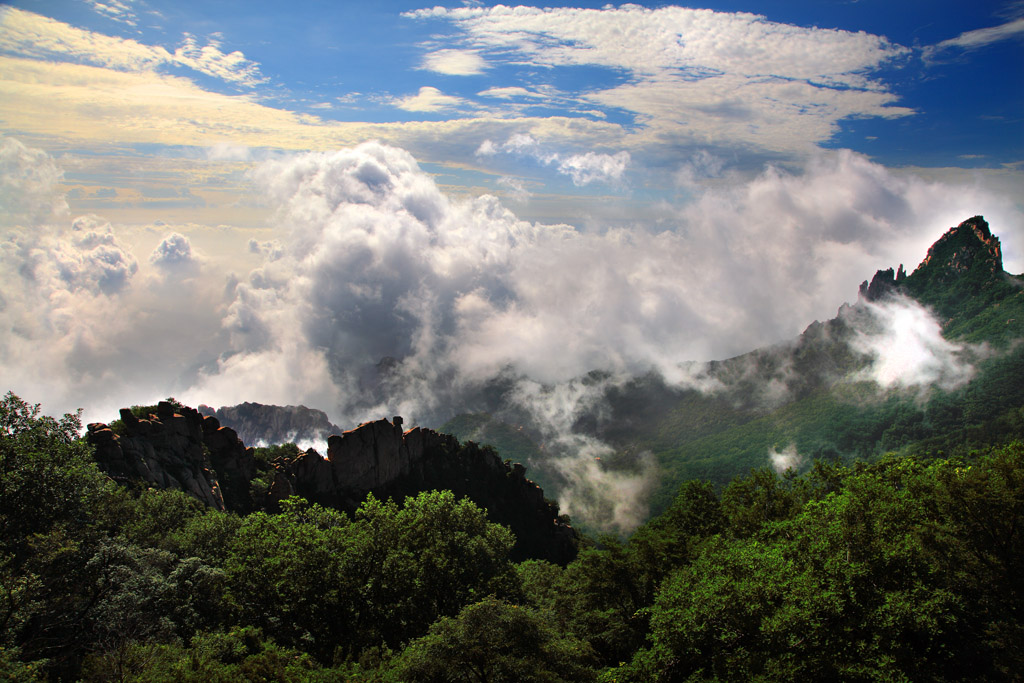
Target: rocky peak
[(967, 246), (883, 283)]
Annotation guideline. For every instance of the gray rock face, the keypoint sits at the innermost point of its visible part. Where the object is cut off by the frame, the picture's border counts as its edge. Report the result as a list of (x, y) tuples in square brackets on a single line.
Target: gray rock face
[(258, 424), (164, 450), (379, 458), (179, 448)]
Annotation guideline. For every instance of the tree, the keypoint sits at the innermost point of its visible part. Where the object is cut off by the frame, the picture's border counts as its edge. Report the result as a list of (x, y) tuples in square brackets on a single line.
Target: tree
[(492, 641), (47, 474), (427, 559)]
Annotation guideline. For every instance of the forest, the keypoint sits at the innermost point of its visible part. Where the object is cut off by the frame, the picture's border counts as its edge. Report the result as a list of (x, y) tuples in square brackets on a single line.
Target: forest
[(900, 568)]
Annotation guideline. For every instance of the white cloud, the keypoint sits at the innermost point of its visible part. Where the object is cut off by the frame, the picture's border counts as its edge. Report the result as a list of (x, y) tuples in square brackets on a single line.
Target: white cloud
[(455, 62), (91, 258), (509, 93), (32, 35), (607, 499), (787, 459), (590, 167), (971, 40), (223, 151), (429, 99), (370, 259), (515, 188), (699, 75), (907, 349), (487, 148), (174, 253), (28, 184), (208, 59), (582, 168), (118, 10)]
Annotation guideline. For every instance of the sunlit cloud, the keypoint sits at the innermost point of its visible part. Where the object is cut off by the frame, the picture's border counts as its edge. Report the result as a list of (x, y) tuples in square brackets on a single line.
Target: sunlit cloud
[(734, 78), (907, 350), (33, 35), (455, 62), (584, 169), (118, 10), (429, 99)]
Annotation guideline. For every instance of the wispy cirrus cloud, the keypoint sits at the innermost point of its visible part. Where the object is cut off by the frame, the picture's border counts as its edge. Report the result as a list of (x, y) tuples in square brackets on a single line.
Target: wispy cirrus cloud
[(117, 10), (582, 168), (971, 40), (33, 35), (697, 75)]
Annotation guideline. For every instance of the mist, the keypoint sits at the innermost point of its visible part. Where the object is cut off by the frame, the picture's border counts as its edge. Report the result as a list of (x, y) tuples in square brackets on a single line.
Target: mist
[(380, 295)]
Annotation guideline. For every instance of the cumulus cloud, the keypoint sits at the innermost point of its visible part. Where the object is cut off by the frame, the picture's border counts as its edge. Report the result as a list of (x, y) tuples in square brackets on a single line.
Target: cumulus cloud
[(587, 168), (271, 249), (380, 295), (379, 262), (429, 99), (455, 62), (514, 188), (91, 257), (85, 325), (582, 168), (174, 253), (29, 181)]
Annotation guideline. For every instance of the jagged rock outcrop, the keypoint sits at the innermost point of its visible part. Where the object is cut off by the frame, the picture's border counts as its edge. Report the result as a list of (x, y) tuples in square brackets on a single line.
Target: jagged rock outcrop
[(967, 252), (164, 450), (379, 458), (233, 462), (177, 447), (883, 283), (969, 243), (960, 277), (258, 424)]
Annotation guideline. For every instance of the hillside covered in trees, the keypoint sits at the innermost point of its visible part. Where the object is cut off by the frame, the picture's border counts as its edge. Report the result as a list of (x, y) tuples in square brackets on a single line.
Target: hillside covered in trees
[(903, 569)]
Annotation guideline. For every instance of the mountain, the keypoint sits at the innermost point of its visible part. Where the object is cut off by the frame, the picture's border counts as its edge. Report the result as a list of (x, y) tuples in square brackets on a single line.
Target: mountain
[(813, 397)]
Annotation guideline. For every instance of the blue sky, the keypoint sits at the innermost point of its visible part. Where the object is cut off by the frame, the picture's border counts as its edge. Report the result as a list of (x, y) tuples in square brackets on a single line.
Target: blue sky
[(654, 183)]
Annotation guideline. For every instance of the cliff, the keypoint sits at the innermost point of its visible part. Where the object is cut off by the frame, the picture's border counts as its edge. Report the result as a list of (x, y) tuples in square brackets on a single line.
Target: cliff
[(179, 448)]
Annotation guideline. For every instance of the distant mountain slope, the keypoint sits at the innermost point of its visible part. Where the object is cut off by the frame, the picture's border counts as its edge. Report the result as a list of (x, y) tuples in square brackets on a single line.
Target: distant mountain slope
[(830, 410), (813, 396), (258, 424)]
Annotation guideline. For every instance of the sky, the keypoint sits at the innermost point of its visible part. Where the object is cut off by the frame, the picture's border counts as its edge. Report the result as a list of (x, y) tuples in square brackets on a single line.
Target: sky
[(261, 201)]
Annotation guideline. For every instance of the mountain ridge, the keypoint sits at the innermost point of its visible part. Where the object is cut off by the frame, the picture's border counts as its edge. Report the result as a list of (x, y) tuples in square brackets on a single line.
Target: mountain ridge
[(176, 447)]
